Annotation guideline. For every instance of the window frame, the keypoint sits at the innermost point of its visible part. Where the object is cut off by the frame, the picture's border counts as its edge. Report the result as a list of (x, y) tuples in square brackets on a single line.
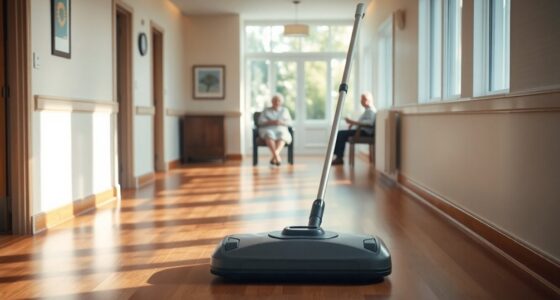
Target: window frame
[(483, 68), (444, 65)]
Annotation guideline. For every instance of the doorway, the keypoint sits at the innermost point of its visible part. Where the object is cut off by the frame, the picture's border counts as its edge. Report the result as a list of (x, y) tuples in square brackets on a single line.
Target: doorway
[(123, 24), (5, 218), (157, 84)]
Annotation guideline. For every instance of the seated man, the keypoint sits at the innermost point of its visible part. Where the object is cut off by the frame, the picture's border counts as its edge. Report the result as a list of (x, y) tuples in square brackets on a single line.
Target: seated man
[(367, 118), (273, 128)]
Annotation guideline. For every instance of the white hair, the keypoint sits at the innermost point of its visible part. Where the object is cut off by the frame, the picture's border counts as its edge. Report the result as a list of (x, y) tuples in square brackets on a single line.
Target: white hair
[(368, 96), (279, 96)]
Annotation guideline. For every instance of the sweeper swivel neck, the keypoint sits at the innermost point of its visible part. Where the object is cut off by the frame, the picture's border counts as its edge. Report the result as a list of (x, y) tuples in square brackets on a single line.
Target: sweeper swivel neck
[(316, 216), (318, 208)]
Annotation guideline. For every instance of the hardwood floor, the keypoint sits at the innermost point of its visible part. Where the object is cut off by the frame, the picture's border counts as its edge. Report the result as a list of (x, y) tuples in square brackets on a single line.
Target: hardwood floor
[(156, 243)]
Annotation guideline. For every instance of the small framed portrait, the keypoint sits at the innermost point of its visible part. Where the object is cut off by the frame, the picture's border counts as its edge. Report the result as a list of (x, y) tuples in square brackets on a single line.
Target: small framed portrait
[(60, 28), (209, 82)]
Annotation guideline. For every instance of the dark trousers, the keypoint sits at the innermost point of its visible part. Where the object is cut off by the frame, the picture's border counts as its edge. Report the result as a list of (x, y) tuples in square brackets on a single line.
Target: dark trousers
[(342, 138)]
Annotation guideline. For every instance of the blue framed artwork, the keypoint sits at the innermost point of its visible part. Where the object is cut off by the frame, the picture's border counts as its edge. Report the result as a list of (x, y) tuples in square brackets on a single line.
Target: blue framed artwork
[(61, 28), (209, 82)]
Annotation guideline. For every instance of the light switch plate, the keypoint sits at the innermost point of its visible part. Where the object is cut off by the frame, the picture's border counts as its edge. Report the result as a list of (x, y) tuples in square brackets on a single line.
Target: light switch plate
[(36, 61)]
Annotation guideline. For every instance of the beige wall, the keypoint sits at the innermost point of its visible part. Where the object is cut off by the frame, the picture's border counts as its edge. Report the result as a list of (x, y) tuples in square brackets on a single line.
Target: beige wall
[(215, 40), (405, 45), (535, 44), (502, 167)]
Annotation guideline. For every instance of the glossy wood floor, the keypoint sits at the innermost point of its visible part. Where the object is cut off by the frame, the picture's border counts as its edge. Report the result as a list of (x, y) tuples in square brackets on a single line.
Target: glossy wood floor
[(156, 244)]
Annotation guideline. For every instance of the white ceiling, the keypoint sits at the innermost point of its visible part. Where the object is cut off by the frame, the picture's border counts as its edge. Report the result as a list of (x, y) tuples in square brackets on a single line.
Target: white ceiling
[(272, 9)]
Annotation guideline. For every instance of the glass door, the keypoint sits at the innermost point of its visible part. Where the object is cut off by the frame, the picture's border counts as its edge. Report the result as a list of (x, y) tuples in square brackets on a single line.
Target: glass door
[(309, 86), (315, 102), (286, 84)]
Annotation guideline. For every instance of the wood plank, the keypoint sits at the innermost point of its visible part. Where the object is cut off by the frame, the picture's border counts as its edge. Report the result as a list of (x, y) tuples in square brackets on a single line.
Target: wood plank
[(145, 179), (234, 156), (157, 242)]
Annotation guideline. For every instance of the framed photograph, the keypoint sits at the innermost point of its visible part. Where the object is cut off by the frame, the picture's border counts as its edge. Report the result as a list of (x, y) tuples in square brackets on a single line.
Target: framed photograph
[(209, 82), (60, 28)]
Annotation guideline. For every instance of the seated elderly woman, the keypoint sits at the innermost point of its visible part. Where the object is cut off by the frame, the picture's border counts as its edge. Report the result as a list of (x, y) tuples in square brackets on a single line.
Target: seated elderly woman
[(273, 128)]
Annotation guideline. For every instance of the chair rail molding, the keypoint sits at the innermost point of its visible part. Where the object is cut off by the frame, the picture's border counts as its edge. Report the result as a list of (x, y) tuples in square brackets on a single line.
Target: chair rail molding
[(53, 103)]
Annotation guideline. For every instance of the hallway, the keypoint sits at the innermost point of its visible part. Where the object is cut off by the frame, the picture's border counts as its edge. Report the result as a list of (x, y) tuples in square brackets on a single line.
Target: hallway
[(157, 242)]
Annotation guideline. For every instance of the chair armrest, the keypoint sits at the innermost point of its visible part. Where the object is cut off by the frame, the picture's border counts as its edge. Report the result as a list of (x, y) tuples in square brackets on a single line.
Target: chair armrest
[(359, 130)]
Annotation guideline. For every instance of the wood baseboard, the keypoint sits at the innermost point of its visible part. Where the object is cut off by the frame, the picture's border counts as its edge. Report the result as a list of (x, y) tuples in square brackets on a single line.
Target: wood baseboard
[(234, 157), (145, 179), (45, 220), (174, 164), (543, 268)]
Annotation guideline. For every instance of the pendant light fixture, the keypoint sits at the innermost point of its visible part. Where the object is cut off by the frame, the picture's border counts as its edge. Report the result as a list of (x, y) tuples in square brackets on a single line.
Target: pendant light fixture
[(296, 29)]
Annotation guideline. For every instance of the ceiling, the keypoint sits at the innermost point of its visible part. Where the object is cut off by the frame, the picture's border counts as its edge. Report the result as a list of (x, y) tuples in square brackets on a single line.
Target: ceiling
[(272, 9)]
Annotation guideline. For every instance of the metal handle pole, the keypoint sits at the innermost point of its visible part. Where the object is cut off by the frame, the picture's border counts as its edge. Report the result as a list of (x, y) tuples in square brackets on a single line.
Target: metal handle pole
[(317, 209)]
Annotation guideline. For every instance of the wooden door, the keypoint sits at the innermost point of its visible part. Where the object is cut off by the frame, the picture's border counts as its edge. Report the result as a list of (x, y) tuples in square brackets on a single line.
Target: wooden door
[(3, 132), (157, 76), (124, 96)]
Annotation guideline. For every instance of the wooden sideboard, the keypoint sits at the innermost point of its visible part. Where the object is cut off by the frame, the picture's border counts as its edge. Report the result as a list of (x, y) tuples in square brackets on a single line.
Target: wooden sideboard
[(202, 138)]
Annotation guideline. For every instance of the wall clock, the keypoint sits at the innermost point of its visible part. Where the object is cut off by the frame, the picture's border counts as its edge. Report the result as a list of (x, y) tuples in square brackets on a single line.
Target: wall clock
[(143, 43)]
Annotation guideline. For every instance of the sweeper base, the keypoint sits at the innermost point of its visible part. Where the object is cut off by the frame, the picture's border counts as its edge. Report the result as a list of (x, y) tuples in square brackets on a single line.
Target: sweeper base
[(302, 253)]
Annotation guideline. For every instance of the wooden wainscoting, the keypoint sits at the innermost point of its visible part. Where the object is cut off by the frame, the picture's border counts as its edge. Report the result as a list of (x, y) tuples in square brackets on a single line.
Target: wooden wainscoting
[(174, 164), (544, 268), (46, 220), (145, 179), (234, 157)]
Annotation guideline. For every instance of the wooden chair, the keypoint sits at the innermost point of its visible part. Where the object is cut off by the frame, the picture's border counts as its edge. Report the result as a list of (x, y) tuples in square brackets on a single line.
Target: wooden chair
[(358, 138), (257, 141)]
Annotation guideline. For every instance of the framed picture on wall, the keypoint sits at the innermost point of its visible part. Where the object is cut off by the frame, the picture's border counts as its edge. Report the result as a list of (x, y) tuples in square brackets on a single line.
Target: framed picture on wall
[(60, 28), (209, 82)]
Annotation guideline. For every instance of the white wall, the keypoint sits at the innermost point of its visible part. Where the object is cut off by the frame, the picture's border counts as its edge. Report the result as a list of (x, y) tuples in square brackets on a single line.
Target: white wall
[(72, 152), (167, 16), (215, 40)]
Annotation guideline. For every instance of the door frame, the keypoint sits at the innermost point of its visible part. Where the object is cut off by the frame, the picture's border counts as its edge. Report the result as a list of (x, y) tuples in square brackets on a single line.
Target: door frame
[(5, 225), (18, 65), (123, 129), (158, 54)]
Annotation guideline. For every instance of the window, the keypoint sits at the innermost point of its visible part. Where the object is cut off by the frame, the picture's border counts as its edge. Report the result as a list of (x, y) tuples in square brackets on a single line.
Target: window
[(384, 88), (491, 47), (452, 50), (307, 71), (259, 88), (322, 38), (435, 49), (440, 50), (350, 106)]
